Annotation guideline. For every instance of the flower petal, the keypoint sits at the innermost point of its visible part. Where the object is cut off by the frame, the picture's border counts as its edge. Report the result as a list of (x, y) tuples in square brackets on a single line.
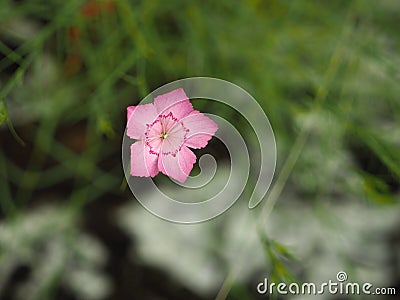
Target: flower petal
[(174, 139), (138, 118), (143, 163), (201, 129), (175, 102), (179, 166)]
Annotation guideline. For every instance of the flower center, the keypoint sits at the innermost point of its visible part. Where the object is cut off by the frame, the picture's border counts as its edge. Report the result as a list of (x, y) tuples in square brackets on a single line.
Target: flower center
[(165, 135)]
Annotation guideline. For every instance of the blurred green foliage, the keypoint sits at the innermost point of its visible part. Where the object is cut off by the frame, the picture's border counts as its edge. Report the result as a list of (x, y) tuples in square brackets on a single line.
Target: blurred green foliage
[(67, 62)]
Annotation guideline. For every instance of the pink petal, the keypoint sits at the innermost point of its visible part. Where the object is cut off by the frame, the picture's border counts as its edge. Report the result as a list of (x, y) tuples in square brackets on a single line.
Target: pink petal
[(177, 167), (174, 139), (171, 144), (129, 111), (138, 118), (201, 129), (175, 102), (143, 163)]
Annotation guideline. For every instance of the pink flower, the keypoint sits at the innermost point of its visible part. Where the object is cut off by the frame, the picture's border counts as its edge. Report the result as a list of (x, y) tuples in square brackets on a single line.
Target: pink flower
[(164, 131)]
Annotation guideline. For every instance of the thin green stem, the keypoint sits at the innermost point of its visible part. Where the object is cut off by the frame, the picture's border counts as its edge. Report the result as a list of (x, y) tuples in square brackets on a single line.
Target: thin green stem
[(295, 152)]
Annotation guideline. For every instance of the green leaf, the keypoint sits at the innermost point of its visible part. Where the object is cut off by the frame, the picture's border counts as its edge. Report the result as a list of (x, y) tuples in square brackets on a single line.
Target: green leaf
[(3, 112), (387, 153), (278, 254), (377, 190), (104, 127)]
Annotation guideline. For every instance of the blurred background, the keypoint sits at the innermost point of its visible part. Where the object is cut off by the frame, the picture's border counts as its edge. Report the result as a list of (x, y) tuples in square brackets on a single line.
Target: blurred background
[(326, 74)]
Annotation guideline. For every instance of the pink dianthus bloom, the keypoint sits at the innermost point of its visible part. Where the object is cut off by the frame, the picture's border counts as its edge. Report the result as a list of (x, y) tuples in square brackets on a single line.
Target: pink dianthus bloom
[(164, 131)]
